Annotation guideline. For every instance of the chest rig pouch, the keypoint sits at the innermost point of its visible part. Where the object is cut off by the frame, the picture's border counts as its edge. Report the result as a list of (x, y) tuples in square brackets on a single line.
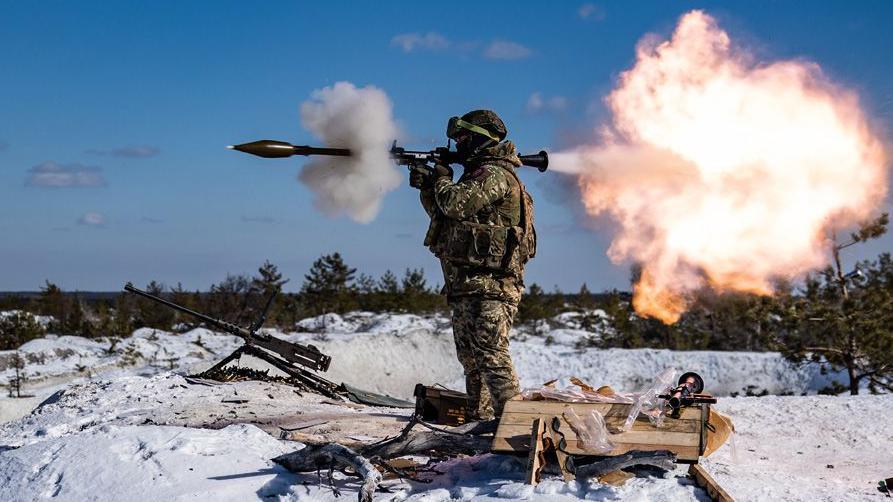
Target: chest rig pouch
[(486, 246)]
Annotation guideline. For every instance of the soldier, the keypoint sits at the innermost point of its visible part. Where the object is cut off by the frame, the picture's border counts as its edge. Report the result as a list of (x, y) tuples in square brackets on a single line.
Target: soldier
[(482, 231)]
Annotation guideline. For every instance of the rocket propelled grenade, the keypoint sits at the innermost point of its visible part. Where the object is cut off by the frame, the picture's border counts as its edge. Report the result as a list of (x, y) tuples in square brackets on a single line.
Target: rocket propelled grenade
[(271, 149)]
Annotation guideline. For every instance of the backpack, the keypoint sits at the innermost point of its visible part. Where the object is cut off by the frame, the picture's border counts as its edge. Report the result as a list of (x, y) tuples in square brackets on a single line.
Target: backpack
[(526, 241)]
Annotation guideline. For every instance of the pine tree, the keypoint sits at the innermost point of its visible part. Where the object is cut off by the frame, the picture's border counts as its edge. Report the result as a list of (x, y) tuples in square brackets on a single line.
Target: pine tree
[(387, 296), (150, 314), (52, 302), (533, 305), (845, 319), (75, 322), (229, 299), (329, 286), (388, 283), (180, 296), (416, 295), (15, 384), (267, 280), (105, 325), (584, 300), (123, 322), (366, 285), (18, 328), (626, 326)]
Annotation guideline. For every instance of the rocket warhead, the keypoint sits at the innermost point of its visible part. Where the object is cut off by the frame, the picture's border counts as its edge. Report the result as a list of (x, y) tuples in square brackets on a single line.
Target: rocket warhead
[(272, 149)]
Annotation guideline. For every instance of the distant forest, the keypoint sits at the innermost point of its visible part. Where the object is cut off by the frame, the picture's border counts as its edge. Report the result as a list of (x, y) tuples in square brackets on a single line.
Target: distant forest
[(845, 320)]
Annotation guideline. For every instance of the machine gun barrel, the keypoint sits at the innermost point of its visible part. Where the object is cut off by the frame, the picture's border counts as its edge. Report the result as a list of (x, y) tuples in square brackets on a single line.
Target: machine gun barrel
[(308, 355)]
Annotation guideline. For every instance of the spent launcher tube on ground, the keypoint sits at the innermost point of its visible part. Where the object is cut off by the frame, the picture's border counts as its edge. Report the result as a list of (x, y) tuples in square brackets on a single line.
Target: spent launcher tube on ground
[(305, 355), (271, 149)]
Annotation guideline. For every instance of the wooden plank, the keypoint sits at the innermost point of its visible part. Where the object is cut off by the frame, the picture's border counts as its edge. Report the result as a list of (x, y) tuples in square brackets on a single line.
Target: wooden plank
[(681, 436), (520, 444), (654, 436), (642, 424), (535, 458), (706, 481), (606, 409)]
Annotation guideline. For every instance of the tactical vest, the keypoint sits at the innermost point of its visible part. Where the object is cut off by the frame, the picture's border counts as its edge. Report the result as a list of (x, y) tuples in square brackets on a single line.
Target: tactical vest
[(490, 247)]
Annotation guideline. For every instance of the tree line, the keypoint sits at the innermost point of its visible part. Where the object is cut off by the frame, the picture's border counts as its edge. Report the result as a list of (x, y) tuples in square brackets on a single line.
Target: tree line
[(844, 319)]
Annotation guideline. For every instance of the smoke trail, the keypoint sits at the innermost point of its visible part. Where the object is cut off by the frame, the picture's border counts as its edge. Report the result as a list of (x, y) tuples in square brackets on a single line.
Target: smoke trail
[(723, 172), (360, 119)]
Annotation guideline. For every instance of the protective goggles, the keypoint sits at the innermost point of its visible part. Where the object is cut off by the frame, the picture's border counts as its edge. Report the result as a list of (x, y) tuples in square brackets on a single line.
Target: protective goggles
[(456, 125)]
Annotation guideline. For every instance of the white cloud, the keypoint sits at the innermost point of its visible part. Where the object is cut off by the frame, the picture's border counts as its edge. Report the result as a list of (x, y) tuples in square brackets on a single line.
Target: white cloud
[(409, 42), (591, 12), (537, 103), (506, 49), (92, 219), (53, 175)]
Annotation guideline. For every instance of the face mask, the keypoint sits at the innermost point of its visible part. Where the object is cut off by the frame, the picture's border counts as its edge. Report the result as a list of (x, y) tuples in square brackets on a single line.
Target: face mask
[(464, 148)]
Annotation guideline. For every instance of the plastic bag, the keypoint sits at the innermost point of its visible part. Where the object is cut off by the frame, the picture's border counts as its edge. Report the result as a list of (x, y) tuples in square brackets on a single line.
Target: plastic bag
[(648, 402), (591, 431), (577, 391), (645, 402)]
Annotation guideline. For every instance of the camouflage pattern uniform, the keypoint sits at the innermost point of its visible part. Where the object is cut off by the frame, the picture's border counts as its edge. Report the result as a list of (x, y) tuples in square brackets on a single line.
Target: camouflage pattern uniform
[(483, 300)]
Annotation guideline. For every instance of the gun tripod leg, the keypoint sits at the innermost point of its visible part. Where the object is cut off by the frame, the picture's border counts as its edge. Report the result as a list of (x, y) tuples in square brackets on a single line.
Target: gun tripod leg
[(223, 362), (318, 385)]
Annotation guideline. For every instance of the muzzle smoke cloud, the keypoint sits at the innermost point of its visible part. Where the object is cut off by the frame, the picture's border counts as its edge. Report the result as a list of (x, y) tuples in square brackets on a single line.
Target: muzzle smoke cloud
[(360, 119), (723, 172)]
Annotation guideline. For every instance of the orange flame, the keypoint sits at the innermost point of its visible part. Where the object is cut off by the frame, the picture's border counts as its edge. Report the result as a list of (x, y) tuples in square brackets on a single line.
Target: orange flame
[(722, 172)]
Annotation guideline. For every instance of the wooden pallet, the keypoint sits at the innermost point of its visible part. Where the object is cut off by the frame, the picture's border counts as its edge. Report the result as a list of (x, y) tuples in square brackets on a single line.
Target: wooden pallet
[(706, 481), (685, 436)]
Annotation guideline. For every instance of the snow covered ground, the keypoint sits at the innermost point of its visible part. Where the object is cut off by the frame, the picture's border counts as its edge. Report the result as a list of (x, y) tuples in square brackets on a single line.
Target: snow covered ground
[(123, 419)]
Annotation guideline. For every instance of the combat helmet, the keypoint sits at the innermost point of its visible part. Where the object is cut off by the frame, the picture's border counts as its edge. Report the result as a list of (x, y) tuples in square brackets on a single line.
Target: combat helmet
[(483, 122)]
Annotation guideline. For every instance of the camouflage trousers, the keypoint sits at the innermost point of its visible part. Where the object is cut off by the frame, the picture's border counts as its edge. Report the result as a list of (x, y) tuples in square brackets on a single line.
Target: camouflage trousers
[(481, 332)]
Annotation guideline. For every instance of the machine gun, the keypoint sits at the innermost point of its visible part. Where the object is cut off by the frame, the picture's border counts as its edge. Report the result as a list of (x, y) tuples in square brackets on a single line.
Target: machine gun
[(285, 356), (271, 149), (687, 393)]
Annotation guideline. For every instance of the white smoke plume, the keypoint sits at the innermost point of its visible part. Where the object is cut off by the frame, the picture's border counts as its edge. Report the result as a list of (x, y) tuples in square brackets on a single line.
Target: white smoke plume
[(724, 172), (360, 119)]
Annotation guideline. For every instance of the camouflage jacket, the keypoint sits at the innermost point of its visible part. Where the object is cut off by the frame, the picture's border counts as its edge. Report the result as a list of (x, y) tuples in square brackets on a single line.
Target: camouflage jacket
[(485, 194)]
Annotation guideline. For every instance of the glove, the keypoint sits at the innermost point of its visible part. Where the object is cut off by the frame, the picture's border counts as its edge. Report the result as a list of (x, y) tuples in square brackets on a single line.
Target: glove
[(441, 171), (420, 176)]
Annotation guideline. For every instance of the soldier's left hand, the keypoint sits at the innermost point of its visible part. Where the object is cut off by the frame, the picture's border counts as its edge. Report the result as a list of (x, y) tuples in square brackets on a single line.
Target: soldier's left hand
[(441, 171), (420, 176)]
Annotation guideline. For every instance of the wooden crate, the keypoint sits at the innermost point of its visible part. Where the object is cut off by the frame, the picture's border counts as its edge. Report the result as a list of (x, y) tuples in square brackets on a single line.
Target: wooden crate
[(685, 436)]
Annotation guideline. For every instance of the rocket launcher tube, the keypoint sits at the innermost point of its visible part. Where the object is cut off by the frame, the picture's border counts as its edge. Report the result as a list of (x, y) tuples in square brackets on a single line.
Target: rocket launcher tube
[(271, 149)]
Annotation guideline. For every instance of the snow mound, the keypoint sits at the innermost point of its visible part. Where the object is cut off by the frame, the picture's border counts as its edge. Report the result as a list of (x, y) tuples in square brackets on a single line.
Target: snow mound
[(369, 322), (56, 355), (628, 370), (330, 323), (148, 463)]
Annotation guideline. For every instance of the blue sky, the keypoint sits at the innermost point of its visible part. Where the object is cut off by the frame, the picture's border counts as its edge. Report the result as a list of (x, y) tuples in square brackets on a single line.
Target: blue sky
[(128, 106)]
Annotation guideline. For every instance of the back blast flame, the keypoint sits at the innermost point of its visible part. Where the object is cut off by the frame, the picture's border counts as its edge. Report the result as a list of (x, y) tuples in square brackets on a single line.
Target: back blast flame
[(724, 172)]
